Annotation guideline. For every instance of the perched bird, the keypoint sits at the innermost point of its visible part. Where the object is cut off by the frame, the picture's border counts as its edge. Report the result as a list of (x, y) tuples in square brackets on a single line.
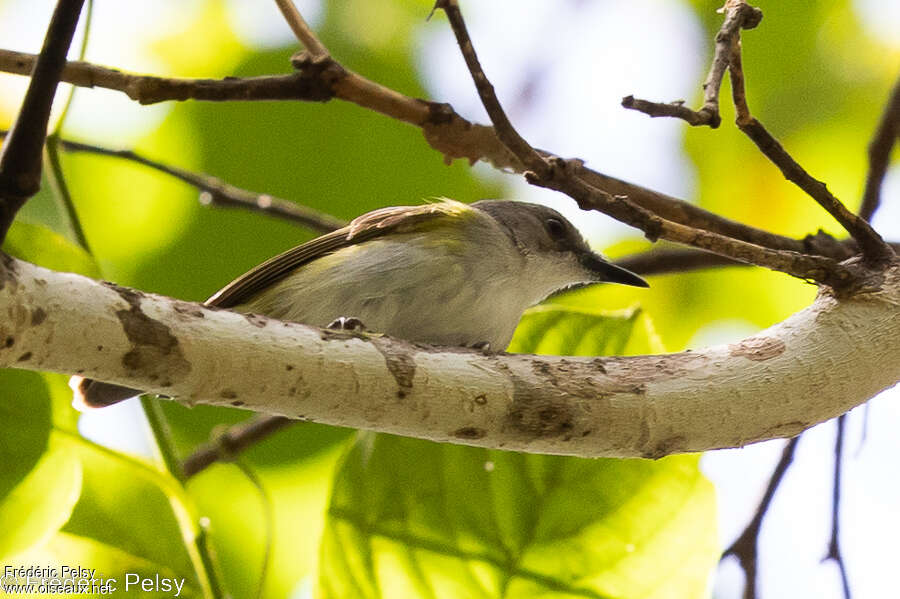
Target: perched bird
[(444, 273)]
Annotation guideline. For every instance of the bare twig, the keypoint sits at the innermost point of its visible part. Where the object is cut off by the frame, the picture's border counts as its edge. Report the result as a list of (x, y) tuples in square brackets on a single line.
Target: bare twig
[(834, 544), (744, 547), (871, 244), (20, 158), (301, 29), (728, 54), (148, 89), (880, 152), (232, 442), (219, 193), (561, 175), (738, 15), (504, 129), (815, 268), (444, 129)]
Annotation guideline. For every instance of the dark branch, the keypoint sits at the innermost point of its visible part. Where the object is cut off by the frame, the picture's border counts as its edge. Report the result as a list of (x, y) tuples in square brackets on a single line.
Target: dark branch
[(816, 268), (233, 441), (744, 547), (880, 153), (565, 176), (834, 544), (738, 15), (444, 129), (20, 158), (218, 193), (504, 129), (870, 242)]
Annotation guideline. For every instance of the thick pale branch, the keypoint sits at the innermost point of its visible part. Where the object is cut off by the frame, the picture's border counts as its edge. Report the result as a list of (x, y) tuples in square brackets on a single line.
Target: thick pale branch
[(815, 365)]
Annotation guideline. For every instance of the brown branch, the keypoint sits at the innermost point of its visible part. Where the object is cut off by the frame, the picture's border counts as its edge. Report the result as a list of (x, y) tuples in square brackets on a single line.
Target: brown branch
[(744, 548), (728, 54), (301, 29), (444, 129), (234, 441), (834, 544), (563, 176), (738, 15), (20, 158), (816, 268), (871, 244), (219, 193), (502, 126), (148, 89), (880, 153)]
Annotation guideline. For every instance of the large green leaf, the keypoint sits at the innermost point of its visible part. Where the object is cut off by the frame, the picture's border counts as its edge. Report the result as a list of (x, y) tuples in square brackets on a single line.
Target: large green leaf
[(40, 245), (109, 562), (25, 412), (127, 505), (415, 519), (561, 330), (419, 519), (39, 505)]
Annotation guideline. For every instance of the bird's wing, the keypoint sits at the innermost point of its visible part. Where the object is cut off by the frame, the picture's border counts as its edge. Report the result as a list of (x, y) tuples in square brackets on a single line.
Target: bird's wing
[(368, 226)]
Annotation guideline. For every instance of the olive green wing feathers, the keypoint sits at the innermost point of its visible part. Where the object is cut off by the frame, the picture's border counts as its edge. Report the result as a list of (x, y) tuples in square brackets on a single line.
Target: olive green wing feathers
[(368, 226)]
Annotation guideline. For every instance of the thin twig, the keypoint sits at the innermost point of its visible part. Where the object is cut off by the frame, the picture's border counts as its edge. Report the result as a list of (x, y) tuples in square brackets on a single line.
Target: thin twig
[(268, 513), (562, 175), (301, 29), (880, 153), (503, 127), (218, 193), (744, 548), (444, 129), (738, 15), (82, 52), (57, 181), (55, 176), (20, 158), (834, 544), (816, 268), (232, 442), (871, 244)]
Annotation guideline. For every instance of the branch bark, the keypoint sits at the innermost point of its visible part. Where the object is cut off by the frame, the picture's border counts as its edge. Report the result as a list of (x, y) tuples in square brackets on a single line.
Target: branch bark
[(445, 131), (817, 364)]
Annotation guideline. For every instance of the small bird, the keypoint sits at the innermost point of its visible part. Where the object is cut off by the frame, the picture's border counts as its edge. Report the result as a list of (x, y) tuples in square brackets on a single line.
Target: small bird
[(444, 273)]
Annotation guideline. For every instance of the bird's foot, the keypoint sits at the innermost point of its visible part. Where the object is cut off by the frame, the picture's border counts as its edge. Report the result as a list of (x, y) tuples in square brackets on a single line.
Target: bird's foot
[(350, 324), (484, 347)]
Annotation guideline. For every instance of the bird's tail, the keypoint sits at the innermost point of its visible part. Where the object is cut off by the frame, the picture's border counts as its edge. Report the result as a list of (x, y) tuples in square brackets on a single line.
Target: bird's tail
[(90, 394)]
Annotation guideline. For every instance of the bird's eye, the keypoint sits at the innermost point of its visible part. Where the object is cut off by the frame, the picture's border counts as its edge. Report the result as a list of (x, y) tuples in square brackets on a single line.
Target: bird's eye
[(555, 228)]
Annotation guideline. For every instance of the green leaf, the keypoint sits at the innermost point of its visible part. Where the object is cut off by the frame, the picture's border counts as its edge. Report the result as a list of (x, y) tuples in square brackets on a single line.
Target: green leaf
[(562, 331), (109, 562), (25, 412), (40, 245), (123, 505), (42, 503), (412, 518)]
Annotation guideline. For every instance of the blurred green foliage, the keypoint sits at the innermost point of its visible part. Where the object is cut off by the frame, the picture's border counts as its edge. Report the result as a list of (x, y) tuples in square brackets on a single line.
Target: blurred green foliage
[(407, 518)]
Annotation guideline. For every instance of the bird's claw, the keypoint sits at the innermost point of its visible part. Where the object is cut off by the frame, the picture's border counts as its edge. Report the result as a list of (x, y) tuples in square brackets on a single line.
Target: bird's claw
[(483, 346), (350, 324)]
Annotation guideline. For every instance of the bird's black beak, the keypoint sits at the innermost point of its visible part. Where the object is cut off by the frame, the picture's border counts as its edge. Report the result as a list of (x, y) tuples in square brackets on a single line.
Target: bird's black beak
[(610, 272)]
